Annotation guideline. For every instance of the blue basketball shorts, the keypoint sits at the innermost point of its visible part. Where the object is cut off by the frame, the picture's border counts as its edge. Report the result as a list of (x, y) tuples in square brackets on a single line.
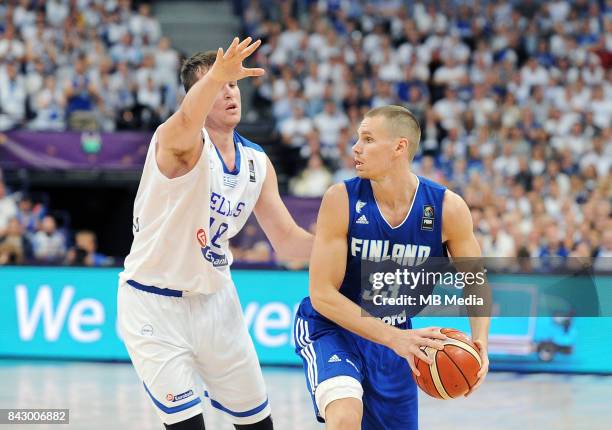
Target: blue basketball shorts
[(339, 364)]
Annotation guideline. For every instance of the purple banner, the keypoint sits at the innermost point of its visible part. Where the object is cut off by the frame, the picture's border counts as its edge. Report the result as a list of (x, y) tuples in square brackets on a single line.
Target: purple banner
[(73, 150)]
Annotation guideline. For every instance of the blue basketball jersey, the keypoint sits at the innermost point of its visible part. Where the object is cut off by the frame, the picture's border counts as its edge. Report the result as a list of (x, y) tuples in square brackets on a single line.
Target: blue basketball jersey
[(371, 237), (390, 399)]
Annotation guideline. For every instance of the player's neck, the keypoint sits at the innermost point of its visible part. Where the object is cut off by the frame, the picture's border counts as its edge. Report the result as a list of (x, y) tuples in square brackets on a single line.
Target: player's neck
[(396, 189), (223, 139)]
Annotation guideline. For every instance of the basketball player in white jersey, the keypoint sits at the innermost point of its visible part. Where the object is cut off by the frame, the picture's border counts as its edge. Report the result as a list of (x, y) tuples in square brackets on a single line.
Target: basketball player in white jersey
[(178, 311)]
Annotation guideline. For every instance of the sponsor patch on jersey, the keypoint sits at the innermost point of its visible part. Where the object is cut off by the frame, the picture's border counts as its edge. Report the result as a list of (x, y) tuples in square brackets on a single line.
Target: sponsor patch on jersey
[(251, 171), (173, 398), (201, 236), (146, 330), (217, 260), (362, 220), (427, 222)]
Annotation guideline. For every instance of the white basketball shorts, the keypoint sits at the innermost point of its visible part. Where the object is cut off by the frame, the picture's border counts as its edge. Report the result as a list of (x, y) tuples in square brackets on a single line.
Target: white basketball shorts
[(193, 348)]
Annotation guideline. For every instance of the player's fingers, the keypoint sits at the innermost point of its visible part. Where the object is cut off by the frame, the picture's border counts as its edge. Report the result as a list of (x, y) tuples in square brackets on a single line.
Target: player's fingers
[(474, 387), (254, 72), (424, 341), (483, 370), (418, 352), (232, 48), (219, 54), (431, 332), (244, 44), (248, 51), (413, 367)]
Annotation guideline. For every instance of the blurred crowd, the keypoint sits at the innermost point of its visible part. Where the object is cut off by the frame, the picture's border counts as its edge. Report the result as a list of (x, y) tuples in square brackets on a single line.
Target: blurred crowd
[(29, 233), (514, 100), (84, 65)]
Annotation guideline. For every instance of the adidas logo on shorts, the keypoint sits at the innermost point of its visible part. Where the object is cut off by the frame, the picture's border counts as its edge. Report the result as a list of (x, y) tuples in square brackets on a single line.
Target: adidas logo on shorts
[(362, 220), (334, 359)]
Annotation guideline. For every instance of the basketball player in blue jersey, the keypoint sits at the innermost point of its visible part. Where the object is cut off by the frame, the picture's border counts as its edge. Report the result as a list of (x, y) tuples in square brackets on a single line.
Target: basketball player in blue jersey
[(178, 311), (358, 368)]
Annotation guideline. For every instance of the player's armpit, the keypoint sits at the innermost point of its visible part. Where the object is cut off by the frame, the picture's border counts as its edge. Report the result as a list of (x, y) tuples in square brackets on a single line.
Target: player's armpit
[(173, 162)]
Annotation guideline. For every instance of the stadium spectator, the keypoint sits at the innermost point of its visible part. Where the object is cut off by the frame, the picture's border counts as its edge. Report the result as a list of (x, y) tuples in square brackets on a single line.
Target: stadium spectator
[(84, 252), (29, 215), (313, 181), (48, 243), (81, 95), (8, 208), (13, 94), (12, 246)]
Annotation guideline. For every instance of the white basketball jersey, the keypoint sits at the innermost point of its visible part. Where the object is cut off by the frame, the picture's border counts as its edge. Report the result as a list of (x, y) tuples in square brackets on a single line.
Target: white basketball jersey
[(182, 226)]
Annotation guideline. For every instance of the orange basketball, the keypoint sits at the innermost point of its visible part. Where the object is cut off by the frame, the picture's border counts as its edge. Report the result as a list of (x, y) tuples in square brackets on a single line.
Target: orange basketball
[(453, 371)]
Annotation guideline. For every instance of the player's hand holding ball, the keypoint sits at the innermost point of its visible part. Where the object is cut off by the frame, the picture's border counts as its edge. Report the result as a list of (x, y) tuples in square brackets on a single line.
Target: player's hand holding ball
[(484, 368), (454, 370), (228, 66), (411, 343)]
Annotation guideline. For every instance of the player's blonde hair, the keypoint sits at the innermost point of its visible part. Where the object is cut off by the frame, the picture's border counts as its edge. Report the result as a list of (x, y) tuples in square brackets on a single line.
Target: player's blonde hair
[(402, 123)]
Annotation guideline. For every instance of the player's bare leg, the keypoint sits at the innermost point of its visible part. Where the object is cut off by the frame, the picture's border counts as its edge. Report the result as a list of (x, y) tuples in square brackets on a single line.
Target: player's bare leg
[(344, 414)]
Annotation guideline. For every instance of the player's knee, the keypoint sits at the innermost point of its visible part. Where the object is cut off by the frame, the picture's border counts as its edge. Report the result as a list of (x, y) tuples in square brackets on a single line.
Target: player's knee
[(265, 424), (193, 423), (344, 414), (344, 389)]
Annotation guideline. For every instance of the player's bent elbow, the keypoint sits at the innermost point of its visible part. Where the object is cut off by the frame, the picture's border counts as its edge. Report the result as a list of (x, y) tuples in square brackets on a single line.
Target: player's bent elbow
[(319, 301), (315, 300)]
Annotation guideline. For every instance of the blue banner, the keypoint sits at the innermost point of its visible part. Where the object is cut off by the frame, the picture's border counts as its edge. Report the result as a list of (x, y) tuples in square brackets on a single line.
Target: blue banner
[(63, 312)]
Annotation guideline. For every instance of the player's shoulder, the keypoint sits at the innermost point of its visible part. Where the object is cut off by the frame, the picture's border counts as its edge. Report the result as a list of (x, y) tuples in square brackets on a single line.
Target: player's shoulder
[(337, 191), (352, 186), (428, 183), (248, 144), (334, 212), (454, 206)]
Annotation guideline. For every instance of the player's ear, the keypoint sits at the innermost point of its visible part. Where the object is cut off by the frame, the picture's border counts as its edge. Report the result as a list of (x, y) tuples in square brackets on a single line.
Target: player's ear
[(402, 145)]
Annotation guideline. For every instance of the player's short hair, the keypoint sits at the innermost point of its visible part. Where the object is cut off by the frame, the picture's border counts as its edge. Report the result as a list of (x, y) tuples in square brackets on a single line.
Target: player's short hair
[(402, 123), (194, 65)]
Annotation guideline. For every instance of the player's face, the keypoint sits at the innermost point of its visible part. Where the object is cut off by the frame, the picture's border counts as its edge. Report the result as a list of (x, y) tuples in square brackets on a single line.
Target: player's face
[(226, 110), (374, 151)]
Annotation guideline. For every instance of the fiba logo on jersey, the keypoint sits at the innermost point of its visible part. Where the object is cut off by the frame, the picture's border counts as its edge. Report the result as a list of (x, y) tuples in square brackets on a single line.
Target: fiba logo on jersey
[(170, 397), (201, 236), (427, 222)]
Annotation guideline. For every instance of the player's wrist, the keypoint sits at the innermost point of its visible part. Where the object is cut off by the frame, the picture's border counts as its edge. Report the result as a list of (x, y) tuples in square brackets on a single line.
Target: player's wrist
[(390, 337)]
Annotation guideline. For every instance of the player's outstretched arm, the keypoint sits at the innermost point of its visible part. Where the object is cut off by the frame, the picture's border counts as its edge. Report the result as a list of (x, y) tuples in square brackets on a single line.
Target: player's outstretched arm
[(327, 269), (179, 138), (458, 234), (288, 239)]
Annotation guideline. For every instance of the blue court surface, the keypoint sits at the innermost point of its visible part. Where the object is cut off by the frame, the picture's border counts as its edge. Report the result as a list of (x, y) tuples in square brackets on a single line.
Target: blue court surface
[(109, 396)]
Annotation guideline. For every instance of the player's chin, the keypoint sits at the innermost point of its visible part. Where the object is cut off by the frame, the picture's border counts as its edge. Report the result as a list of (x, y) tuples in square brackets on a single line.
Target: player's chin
[(363, 174), (233, 118)]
